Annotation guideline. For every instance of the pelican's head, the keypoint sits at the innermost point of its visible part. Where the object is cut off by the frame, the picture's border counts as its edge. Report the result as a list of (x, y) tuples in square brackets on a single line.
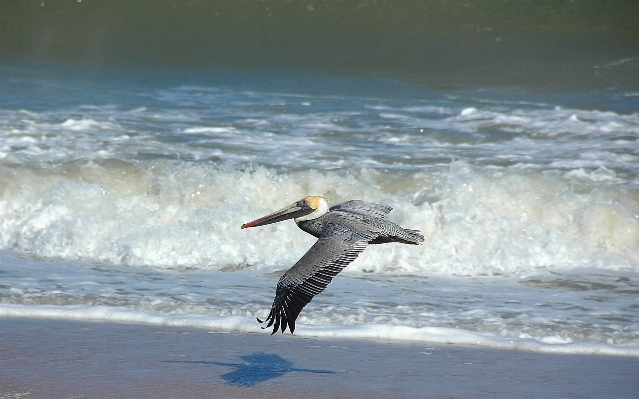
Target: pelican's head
[(307, 208)]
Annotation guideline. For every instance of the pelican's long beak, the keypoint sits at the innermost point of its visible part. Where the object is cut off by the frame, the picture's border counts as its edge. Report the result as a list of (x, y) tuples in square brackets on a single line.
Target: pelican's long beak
[(296, 210)]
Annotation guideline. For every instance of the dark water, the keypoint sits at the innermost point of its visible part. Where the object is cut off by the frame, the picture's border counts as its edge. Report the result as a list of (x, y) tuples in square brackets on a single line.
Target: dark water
[(575, 44)]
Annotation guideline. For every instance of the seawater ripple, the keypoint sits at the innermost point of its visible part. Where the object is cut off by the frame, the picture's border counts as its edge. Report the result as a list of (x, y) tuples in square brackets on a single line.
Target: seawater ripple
[(293, 131)]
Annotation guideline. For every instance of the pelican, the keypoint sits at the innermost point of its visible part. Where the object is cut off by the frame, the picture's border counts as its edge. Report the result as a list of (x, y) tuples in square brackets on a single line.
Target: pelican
[(343, 231)]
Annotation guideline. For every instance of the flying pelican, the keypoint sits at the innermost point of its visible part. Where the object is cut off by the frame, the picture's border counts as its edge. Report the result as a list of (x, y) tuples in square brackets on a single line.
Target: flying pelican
[(343, 231)]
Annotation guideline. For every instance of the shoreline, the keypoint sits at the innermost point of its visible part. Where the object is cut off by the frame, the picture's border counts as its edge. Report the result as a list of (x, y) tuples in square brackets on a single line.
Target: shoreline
[(387, 334), (93, 359)]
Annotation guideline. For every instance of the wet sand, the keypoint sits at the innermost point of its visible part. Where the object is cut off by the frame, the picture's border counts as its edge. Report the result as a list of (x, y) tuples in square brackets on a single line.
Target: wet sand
[(41, 358)]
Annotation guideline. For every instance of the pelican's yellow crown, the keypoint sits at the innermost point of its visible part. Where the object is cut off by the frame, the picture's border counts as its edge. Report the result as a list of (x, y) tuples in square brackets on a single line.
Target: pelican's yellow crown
[(314, 201)]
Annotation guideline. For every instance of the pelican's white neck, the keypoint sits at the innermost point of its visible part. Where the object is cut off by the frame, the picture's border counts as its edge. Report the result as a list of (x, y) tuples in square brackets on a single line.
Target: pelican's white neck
[(321, 210)]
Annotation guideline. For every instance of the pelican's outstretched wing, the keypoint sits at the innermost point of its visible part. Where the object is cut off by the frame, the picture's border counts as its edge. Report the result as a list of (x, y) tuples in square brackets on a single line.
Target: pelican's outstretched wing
[(338, 246), (363, 207)]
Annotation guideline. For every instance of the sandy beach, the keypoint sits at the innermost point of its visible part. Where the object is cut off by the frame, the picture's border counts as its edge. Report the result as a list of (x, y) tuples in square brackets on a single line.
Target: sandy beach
[(42, 358)]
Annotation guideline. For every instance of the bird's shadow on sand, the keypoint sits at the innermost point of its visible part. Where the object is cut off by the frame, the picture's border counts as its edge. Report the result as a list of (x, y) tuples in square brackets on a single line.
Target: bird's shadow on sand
[(255, 368)]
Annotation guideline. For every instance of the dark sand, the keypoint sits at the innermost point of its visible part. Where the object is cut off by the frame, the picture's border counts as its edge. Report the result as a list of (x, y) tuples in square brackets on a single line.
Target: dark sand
[(42, 358)]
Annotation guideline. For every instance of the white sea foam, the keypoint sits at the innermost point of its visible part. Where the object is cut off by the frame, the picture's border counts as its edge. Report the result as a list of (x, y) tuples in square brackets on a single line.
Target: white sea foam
[(85, 124), (209, 130), (175, 215), (551, 122)]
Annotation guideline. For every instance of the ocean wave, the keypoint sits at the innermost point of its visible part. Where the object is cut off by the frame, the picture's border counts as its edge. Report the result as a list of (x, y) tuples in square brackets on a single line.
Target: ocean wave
[(176, 215)]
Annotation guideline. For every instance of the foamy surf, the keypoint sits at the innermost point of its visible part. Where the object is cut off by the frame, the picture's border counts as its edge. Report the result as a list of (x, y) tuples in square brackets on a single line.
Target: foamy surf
[(275, 129), (375, 332), (177, 215)]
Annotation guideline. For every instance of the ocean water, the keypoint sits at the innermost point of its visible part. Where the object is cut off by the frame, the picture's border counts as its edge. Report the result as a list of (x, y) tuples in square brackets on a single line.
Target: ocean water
[(128, 166), (128, 205)]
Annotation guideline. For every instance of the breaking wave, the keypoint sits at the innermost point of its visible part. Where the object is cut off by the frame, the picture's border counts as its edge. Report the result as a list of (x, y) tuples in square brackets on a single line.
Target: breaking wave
[(174, 215)]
